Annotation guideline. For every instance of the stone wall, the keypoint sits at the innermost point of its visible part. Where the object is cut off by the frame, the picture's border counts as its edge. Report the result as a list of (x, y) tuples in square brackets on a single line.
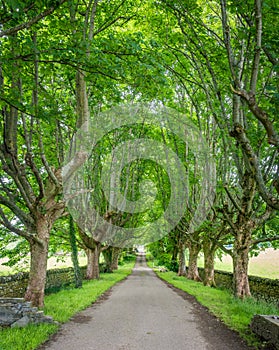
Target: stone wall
[(14, 286), (15, 312), (267, 328), (261, 288), (265, 289), (58, 278)]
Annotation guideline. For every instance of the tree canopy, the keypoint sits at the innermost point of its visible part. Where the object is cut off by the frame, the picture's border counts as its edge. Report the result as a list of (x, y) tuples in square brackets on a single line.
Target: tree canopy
[(64, 63)]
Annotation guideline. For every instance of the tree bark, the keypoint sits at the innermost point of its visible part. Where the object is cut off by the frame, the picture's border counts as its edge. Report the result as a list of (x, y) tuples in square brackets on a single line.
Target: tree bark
[(193, 273), (96, 257), (240, 271), (93, 255), (114, 259), (182, 264), (38, 265), (209, 254), (107, 253), (111, 255), (90, 267)]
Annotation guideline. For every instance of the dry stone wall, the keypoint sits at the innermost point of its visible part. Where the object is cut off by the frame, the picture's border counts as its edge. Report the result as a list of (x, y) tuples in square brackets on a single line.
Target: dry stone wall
[(15, 312), (267, 328), (14, 286), (261, 288)]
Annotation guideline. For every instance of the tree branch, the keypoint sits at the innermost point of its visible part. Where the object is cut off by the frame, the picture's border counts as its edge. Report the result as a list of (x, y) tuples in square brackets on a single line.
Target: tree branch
[(260, 114), (17, 173), (267, 239), (260, 220), (29, 24), (239, 133), (49, 171), (26, 220), (89, 242), (5, 222), (231, 224), (9, 17), (227, 40), (258, 47), (237, 207)]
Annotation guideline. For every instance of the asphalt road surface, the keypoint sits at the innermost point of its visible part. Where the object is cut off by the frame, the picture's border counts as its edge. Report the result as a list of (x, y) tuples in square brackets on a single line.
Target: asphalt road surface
[(144, 313)]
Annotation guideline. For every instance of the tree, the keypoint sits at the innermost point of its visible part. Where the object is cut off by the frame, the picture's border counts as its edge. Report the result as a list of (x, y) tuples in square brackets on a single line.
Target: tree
[(218, 64), (250, 88), (29, 184), (111, 256), (208, 58), (43, 84)]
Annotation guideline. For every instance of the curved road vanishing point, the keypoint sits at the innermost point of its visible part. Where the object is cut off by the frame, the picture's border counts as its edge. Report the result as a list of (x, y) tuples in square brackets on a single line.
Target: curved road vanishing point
[(144, 313)]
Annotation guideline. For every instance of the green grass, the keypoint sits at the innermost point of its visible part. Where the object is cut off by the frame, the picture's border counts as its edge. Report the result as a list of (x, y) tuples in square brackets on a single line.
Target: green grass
[(61, 306), (235, 313)]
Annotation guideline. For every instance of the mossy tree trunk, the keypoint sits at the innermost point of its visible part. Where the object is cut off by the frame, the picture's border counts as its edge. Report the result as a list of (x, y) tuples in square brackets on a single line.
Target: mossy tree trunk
[(193, 272), (209, 249), (115, 257), (38, 264), (182, 264), (240, 263), (111, 256), (93, 256)]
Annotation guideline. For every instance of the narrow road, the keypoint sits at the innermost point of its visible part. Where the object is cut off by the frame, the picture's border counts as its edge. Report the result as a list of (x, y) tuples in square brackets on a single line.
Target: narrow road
[(143, 313)]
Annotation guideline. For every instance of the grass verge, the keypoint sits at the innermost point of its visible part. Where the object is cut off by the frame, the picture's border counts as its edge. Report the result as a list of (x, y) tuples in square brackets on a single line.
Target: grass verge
[(61, 306), (235, 313)]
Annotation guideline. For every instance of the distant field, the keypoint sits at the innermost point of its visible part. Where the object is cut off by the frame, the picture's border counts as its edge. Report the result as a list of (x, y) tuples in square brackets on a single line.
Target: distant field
[(266, 264), (51, 264)]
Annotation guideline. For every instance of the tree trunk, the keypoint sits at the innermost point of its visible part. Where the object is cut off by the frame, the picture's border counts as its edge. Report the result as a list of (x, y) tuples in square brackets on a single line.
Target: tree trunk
[(114, 258), (240, 273), (38, 266), (93, 270), (74, 253), (182, 265), (174, 260), (193, 273), (107, 253), (111, 255), (96, 257), (89, 268), (209, 254), (83, 113)]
